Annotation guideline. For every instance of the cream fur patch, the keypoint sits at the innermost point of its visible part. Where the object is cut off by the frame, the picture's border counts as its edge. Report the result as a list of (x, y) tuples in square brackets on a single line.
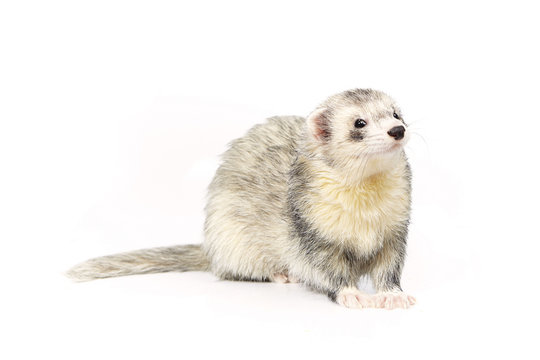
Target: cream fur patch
[(359, 214)]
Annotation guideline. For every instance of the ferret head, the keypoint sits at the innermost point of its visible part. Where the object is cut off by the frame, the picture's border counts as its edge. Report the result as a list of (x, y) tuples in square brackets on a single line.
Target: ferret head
[(358, 132)]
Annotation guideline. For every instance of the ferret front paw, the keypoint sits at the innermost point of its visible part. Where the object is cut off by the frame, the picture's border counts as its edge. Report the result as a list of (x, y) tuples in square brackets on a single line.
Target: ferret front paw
[(354, 299), (394, 300)]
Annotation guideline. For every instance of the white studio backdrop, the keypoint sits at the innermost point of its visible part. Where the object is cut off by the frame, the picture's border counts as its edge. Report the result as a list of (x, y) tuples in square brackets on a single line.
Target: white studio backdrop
[(112, 117)]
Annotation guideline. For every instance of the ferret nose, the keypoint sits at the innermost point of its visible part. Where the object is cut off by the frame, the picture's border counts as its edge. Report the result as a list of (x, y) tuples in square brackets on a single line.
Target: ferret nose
[(397, 132)]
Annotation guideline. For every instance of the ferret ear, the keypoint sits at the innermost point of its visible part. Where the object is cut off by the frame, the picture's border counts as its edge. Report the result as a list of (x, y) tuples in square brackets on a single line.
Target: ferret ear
[(319, 125)]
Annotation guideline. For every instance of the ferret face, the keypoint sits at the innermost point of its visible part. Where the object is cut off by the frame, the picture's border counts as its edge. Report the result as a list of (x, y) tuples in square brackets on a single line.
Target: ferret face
[(372, 128), (359, 129)]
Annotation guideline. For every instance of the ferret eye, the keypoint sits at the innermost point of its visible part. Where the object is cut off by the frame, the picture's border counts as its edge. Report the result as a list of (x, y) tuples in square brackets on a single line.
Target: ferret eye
[(360, 123), (396, 116)]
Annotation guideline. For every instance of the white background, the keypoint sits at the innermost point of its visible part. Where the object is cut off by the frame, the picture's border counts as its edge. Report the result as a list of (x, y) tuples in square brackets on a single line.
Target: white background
[(113, 115)]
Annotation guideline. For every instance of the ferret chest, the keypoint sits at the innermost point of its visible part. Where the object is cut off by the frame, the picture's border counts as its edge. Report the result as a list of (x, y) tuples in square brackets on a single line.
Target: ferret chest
[(360, 216)]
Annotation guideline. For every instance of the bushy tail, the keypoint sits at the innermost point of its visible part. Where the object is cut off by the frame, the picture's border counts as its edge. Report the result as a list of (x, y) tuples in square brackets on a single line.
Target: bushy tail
[(157, 260)]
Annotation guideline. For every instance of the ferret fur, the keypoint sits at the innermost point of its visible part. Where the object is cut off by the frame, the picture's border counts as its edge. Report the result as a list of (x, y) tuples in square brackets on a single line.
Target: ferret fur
[(315, 200)]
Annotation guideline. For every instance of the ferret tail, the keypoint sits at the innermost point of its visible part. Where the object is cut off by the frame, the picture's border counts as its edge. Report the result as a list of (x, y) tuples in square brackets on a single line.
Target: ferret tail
[(156, 260)]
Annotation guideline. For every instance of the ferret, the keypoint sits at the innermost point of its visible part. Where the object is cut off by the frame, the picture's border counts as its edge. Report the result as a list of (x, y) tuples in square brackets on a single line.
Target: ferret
[(322, 200)]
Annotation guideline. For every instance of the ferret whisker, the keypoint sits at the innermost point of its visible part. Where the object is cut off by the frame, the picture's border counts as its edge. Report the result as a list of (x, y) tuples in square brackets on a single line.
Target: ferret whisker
[(364, 165), (421, 137)]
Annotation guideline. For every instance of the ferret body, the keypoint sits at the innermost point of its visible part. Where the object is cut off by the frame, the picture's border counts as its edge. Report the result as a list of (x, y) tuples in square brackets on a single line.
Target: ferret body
[(322, 201)]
